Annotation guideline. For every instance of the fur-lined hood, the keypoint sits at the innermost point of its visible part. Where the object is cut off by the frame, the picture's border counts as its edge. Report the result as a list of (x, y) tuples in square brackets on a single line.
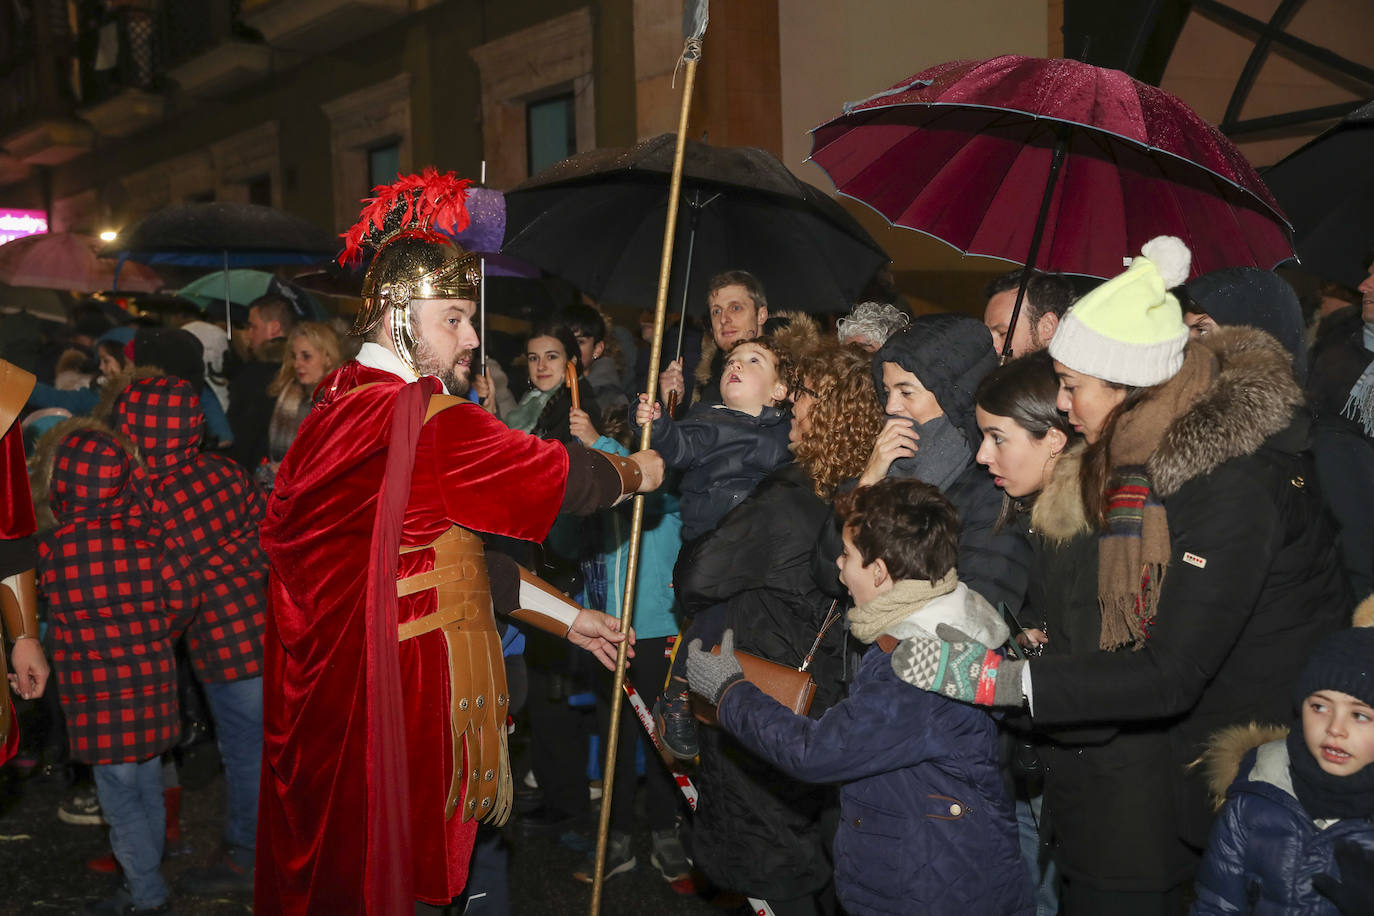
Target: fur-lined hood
[(1252, 397), (1220, 760), (799, 335)]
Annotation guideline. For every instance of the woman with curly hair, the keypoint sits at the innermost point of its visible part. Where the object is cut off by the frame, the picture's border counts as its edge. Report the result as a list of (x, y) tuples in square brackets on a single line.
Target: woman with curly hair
[(757, 831), (832, 390)]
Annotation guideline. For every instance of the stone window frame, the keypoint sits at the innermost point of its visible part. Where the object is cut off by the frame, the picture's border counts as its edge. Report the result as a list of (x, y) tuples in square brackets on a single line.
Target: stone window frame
[(359, 122), (546, 59)]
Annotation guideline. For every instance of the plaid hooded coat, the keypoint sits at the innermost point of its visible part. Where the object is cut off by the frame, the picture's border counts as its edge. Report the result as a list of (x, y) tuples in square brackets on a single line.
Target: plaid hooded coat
[(116, 604), (209, 510)]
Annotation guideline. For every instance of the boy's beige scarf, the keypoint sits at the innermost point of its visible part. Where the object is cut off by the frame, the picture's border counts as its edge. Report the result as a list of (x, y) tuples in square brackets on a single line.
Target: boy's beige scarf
[(869, 621)]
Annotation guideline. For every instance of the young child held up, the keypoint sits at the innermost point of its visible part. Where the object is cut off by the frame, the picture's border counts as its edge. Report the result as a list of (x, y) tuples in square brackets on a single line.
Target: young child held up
[(723, 451), (1296, 833), (925, 823)]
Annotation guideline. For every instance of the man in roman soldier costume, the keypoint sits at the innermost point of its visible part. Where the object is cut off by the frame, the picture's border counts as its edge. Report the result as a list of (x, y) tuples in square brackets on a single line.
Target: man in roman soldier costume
[(385, 697), (28, 671)]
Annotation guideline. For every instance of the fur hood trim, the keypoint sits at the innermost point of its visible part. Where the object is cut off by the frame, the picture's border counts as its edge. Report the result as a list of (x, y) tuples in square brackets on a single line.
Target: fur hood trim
[(799, 336), (1364, 613), (45, 453), (1220, 759), (1252, 397), (1058, 511)]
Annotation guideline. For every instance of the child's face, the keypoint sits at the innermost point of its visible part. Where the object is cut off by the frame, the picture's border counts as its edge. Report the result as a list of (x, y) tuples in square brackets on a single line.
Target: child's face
[(865, 582), (548, 362), (1339, 731), (750, 381)]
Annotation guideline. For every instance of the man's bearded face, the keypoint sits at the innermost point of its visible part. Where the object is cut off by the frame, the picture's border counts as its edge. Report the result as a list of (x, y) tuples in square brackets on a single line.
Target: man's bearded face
[(445, 341)]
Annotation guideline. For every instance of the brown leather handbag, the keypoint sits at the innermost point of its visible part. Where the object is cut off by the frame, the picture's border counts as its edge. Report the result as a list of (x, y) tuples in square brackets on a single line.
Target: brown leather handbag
[(792, 687)]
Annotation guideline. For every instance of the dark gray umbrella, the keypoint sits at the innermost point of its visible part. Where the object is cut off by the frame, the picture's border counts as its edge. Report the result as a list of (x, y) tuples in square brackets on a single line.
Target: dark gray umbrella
[(1327, 190), (223, 235), (596, 220)]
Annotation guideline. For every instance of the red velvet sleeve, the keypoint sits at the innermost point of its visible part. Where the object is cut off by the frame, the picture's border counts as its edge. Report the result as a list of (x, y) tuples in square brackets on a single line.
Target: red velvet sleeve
[(16, 506), (502, 481)]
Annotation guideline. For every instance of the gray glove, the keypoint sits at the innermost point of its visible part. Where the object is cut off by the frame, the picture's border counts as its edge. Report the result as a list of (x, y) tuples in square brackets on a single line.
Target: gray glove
[(956, 666), (710, 675)]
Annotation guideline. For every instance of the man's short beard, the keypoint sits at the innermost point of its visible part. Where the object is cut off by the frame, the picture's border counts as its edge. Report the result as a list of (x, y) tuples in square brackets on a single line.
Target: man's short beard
[(428, 363)]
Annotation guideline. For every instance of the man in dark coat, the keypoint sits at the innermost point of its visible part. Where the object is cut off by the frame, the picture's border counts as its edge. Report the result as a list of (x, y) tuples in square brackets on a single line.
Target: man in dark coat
[(270, 320), (738, 309), (209, 510), (1340, 391)]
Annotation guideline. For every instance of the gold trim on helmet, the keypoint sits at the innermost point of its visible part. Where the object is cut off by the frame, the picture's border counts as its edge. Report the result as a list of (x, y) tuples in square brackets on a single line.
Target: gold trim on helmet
[(414, 264)]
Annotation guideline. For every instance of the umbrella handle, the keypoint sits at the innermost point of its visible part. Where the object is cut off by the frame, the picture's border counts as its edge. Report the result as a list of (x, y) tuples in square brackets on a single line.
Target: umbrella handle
[(1061, 145), (570, 376), (672, 403)]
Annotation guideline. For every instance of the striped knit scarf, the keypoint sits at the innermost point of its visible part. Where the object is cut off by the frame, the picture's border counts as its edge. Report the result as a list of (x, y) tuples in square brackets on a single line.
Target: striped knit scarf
[(1133, 550)]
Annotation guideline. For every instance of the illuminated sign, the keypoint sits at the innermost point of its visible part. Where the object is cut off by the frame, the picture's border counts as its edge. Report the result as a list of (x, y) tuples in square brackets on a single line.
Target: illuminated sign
[(15, 224)]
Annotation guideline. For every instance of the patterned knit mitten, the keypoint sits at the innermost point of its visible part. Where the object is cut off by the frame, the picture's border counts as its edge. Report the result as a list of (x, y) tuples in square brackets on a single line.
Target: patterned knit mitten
[(956, 666)]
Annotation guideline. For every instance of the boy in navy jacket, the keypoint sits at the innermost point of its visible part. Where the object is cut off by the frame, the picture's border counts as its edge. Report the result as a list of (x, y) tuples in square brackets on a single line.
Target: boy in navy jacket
[(925, 823)]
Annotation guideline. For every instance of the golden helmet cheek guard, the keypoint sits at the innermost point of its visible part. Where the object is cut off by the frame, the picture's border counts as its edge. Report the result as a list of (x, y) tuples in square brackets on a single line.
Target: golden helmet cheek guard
[(414, 264)]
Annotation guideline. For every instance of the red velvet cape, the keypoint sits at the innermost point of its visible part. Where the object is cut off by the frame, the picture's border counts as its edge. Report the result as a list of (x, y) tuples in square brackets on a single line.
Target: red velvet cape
[(313, 829), (16, 521)]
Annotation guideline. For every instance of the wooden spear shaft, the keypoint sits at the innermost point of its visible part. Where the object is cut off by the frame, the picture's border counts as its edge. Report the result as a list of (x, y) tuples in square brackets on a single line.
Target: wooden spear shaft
[(637, 519)]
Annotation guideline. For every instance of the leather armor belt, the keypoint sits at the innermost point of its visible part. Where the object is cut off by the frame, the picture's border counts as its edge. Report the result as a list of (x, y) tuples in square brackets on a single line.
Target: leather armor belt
[(478, 699)]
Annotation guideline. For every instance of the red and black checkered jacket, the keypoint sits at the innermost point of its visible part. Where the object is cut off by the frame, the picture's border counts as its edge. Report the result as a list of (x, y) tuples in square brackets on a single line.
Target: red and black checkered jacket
[(116, 604), (209, 510)]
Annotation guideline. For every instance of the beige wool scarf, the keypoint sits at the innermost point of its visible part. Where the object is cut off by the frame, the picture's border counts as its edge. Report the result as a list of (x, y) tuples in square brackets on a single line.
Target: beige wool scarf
[(869, 621)]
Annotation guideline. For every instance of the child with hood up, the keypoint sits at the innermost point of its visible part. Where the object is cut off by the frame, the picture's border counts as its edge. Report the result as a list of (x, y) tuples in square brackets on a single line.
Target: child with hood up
[(117, 605), (209, 510)]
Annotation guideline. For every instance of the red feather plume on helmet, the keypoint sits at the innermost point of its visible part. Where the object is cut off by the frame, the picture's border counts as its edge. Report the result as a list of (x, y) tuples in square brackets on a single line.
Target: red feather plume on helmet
[(430, 199)]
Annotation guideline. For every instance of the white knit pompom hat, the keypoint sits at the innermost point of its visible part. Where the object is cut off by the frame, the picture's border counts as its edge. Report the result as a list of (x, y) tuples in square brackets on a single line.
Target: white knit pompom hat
[(1130, 329)]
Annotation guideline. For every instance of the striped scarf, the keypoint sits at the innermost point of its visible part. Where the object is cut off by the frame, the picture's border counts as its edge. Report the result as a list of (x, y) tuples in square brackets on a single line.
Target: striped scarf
[(1133, 550)]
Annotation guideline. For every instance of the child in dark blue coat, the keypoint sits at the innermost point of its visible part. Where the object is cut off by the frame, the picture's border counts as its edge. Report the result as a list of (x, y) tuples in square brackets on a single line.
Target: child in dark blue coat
[(925, 823), (724, 451), (1296, 834)]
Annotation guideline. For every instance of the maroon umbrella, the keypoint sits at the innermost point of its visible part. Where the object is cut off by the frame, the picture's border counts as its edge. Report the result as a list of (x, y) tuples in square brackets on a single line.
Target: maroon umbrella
[(969, 152)]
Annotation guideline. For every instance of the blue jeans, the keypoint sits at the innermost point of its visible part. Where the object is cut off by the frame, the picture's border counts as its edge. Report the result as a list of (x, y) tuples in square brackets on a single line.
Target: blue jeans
[(1042, 882), (237, 708), (131, 800)]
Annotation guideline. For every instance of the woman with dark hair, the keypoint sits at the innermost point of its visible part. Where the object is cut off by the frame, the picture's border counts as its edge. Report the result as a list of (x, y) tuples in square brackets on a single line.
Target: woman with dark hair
[(543, 411), (757, 831), (1098, 781), (1216, 569)]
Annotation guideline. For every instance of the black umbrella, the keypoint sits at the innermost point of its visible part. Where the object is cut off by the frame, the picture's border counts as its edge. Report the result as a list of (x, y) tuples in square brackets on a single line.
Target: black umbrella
[(596, 220), (222, 235), (206, 235), (1327, 190)]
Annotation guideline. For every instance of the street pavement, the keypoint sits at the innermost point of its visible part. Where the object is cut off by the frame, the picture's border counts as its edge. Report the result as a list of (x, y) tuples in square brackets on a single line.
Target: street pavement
[(44, 859)]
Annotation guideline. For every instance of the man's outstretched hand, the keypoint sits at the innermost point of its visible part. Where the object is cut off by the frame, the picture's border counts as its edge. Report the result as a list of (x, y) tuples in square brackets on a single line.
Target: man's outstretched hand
[(600, 635), (953, 665)]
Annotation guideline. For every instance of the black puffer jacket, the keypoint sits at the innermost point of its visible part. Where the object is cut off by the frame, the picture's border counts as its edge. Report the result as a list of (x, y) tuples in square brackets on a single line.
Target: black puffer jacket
[(1252, 584), (755, 830), (1100, 780), (723, 455)]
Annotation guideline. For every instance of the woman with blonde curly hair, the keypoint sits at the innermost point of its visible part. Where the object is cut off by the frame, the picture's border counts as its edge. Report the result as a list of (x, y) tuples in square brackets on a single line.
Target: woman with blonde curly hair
[(757, 831), (312, 352)]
